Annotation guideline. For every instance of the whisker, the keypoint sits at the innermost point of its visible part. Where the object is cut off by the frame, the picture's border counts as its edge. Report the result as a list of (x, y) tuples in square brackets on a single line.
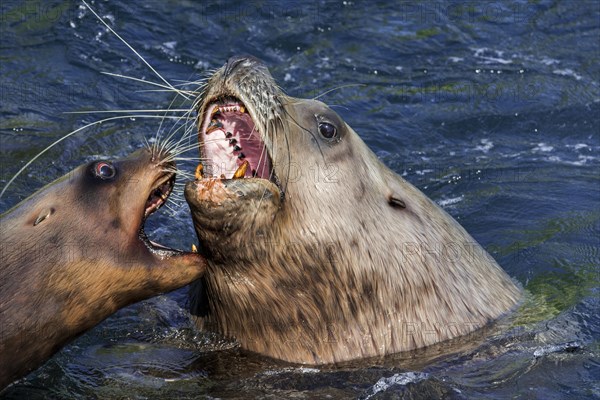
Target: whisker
[(132, 49), (124, 111), (179, 148), (338, 88), (186, 158), (167, 88), (201, 81), (169, 205), (162, 145), (191, 93), (67, 136), (174, 132)]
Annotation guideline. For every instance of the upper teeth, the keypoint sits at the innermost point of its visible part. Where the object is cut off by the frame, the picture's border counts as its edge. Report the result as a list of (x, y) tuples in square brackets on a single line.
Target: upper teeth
[(229, 108)]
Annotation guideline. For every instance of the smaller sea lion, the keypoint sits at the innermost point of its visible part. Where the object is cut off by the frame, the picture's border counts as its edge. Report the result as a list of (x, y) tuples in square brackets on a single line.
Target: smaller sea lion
[(75, 252)]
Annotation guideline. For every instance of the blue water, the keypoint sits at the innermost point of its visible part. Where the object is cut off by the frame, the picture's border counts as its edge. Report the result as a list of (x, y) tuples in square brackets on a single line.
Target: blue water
[(491, 109)]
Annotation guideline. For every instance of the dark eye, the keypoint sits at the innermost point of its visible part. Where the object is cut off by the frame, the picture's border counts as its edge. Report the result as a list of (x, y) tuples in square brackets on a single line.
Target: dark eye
[(327, 130), (104, 170)]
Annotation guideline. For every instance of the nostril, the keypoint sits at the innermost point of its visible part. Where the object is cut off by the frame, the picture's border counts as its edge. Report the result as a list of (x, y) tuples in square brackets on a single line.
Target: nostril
[(234, 61)]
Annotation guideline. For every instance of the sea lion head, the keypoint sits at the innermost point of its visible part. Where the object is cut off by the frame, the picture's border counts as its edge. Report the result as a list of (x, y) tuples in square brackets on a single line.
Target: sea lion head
[(75, 252), (99, 209), (317, 252), (294, 154)]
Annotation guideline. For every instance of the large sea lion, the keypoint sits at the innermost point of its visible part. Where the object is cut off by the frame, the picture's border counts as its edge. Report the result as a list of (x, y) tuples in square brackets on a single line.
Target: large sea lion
[(320, 253), (75, 252)]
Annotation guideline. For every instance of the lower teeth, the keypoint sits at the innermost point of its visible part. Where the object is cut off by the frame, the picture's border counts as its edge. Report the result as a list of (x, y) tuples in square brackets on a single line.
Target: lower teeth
[(199, 170), (241, 171)]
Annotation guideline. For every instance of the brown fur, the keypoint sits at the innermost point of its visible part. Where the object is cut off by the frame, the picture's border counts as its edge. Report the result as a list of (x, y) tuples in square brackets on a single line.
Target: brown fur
[(354, 262), (82, 263)]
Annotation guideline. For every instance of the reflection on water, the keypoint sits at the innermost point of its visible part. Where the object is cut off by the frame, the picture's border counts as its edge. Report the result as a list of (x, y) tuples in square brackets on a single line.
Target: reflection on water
[(491, 109)]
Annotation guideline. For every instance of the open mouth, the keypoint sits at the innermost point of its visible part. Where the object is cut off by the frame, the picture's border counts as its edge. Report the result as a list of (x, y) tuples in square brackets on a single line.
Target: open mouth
[(230, 143), (157, 198), (159, 194)]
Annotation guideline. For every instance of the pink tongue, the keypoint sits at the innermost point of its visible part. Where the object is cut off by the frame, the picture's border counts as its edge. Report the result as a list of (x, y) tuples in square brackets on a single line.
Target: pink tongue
[(241, 126), (237, 123)]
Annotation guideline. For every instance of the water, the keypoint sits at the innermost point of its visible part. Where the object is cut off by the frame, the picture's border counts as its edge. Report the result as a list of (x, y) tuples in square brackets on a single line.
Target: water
[(491, 109)]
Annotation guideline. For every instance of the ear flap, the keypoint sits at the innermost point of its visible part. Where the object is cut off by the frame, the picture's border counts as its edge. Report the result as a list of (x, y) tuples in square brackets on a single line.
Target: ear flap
[(396, 193), (45, 213), (395, 201)]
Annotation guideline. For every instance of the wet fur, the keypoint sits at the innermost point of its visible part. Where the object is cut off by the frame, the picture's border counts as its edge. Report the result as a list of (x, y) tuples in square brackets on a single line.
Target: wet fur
[(82, 263), (355, 262)]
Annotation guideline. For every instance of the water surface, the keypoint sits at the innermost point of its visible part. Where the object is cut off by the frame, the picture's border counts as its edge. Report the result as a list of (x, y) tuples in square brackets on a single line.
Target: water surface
[(491, 109)]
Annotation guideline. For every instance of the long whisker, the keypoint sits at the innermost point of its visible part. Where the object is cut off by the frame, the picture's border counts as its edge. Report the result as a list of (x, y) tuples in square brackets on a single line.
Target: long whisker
[(306, 130), (176, 158), (159, 145), (188, 129), (168, 144), (338, 88), (176, 153), (162, 91), (67, 136), (132, 49), (174, 131), (168, 88), (181, 148), (201, 81), (126, 111)]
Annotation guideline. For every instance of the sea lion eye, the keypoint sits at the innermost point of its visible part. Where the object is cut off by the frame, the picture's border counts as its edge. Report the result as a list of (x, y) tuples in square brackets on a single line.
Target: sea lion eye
[(104, 170), (327, 130)]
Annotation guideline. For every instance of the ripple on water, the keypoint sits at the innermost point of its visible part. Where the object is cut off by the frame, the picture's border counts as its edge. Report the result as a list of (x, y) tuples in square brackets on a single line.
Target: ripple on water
[(401, 379), (507, 126)]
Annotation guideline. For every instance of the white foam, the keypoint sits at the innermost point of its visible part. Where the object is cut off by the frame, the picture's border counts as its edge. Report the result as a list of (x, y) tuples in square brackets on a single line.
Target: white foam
[(567, 72), (548, 61), (423, 172), (578, 146), (306, 370), (555, 348), (451, 201), (201, 65), (542, 147), (302, 370), (403, 379), (491, 56), (486, 145), (582, 160)]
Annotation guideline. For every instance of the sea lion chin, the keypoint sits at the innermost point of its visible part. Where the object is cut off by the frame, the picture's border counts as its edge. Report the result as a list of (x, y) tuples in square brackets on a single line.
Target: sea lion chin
[(333, 257), (75, 252)]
